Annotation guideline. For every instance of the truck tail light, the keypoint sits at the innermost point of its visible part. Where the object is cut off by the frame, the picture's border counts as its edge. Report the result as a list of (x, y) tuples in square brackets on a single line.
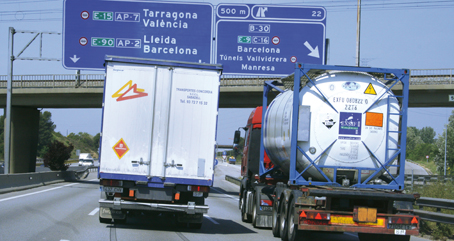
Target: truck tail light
[(403, 220), (112, 183), (265, 202), (199, 188), (315, 215)]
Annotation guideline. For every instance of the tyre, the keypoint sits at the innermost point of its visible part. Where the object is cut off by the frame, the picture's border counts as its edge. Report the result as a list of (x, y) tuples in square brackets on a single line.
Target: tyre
[(381, 237), (293, 232), (254, 213), (195, 225), (275, 221), (245, 217), (282, 220)]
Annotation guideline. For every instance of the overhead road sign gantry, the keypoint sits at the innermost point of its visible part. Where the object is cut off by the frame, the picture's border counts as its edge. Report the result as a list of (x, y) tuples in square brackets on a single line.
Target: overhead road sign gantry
[(268, 39), (159, 30)]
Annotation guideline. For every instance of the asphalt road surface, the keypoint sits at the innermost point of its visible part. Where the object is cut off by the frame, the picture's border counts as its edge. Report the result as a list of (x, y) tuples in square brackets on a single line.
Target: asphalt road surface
[(69, 211)]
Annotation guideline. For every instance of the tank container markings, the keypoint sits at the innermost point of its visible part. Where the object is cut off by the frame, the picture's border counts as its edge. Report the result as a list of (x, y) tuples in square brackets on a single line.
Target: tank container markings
[(370, 90), (374, 119)]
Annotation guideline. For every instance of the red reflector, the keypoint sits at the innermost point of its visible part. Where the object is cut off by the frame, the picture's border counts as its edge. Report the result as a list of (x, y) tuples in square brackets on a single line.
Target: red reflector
[(318, 216), (266, 203), (198, 188), (404, 220), (303, 214)]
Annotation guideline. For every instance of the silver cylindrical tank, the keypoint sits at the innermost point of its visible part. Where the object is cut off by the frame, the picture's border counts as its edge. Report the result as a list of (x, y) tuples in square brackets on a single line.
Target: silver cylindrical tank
[(347, 129)]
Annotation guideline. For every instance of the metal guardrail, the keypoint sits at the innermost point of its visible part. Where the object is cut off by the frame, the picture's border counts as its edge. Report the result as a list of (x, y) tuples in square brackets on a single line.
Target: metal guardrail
[(421, 180), (84, 172), (437, 203), (417, 77)]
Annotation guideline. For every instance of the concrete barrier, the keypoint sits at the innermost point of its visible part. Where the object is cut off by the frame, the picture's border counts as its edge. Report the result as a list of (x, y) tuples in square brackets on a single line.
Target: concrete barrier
[(22, 181)]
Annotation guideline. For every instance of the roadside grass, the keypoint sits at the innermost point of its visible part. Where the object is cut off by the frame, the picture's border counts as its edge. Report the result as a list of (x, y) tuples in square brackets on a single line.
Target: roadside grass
[(438, 231), (429, 165)]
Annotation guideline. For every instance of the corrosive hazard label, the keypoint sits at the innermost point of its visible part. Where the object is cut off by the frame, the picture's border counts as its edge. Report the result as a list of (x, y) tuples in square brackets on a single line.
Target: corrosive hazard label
[(120, 148), (370, 90)]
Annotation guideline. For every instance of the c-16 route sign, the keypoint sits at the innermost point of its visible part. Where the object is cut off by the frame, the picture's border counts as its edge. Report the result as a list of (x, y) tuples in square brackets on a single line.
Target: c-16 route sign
[(246, 39), (268, 39), (158, 30)]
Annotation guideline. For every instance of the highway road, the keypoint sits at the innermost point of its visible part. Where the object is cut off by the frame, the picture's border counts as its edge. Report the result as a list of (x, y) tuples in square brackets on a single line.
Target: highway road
[(68, 211)]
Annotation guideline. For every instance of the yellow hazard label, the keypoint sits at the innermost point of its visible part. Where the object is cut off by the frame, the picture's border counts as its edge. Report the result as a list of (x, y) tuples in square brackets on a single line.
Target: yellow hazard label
[(370, 90)]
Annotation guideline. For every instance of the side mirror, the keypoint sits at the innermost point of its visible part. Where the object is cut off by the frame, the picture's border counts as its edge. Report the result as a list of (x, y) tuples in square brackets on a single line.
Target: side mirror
[(236, 138)]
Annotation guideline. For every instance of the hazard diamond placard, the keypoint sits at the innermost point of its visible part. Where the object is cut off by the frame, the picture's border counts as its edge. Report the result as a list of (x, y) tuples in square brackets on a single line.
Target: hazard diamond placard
[(120, 148)]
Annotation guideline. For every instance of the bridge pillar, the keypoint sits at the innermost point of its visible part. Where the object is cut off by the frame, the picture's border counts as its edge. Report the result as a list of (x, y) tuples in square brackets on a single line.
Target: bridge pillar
[(24, 139)]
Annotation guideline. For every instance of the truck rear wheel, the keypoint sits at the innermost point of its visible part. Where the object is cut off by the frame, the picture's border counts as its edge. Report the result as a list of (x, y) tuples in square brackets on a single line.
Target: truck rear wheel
[(254, 213), (381, 237), (245, 217), (275, 221), (293, 232), (282, 220)]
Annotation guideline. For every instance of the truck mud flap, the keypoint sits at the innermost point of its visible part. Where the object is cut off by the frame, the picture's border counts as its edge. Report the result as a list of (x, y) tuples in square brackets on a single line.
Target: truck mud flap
[(189, 208)]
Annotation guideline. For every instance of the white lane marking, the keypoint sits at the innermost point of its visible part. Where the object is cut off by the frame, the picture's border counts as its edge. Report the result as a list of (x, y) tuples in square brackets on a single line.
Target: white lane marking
[(230, 196), (94, 211), (351, 234), (33, 193), (209, 218)]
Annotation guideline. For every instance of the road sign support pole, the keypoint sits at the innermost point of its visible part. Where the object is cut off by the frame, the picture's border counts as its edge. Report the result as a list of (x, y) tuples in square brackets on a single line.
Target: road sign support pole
[(358, 34), (9, 88)]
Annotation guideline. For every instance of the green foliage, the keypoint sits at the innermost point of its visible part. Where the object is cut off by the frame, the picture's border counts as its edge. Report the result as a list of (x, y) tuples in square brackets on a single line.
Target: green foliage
[(421, 143), (440, 158), (2, 139), (83, 142), (427, 135), (445, 190), (46, 130), (56, 155)]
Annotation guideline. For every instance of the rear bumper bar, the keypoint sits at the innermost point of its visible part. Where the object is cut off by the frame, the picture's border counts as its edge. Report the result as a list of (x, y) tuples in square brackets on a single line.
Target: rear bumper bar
[(189, 208)]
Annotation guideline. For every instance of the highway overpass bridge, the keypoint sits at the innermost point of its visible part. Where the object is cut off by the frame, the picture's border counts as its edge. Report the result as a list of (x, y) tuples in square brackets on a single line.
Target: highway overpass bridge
[(428, 88)]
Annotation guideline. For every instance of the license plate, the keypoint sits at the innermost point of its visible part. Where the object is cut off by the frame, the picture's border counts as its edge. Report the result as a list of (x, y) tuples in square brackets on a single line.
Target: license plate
[(399, 226), (266, 208), (399, 231), (113, 189), (198, 194)]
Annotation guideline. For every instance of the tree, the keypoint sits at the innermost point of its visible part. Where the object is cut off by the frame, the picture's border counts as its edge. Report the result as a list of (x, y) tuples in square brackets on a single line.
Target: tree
[(56, 155), (440, 158), (2, 139), (427, 135), (413, 139), (96, 140), (46, 130)]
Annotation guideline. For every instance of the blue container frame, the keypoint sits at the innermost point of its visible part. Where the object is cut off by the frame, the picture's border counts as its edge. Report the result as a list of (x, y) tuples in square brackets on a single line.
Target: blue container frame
[(295, 178)]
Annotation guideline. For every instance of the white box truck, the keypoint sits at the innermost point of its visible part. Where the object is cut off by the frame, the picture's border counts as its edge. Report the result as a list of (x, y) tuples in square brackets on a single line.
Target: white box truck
[(158, 138)]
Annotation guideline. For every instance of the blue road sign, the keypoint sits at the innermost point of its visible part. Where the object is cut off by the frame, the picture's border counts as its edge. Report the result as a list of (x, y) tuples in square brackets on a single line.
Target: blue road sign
[(159, 30), (268, 39)]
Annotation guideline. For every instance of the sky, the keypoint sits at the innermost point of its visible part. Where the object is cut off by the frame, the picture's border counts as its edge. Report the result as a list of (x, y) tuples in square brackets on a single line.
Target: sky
[(413, 34)]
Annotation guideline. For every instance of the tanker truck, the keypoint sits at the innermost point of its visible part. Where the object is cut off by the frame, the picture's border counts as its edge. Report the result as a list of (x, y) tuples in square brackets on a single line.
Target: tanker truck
[(328, 154)]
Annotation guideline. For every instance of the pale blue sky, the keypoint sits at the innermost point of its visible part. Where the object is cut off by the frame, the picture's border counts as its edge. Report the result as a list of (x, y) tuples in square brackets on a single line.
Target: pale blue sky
[(414, 34)]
